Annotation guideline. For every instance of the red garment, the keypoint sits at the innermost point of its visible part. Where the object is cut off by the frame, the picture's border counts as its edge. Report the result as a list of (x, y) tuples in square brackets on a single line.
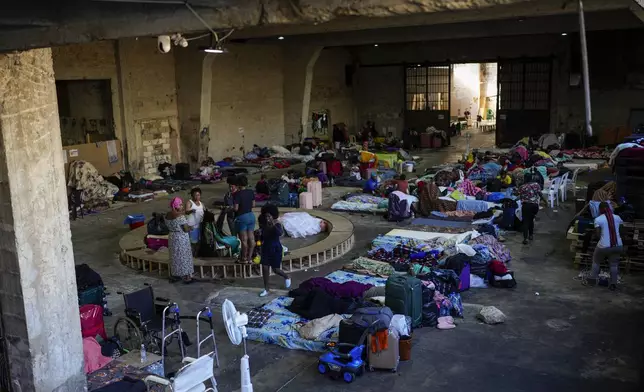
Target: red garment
[(403, 186), (497, 267)]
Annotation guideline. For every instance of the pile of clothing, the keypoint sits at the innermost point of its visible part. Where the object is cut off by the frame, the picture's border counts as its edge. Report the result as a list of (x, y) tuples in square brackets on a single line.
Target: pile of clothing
[(95, 191)]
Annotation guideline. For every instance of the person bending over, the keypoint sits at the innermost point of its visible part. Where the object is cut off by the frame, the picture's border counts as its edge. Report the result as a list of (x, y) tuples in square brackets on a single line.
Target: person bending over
[(610, 246), (271, 253)]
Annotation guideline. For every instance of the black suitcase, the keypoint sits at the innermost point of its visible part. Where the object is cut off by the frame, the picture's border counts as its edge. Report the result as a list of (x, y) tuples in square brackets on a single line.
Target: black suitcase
[(351, 333), (182, 171)]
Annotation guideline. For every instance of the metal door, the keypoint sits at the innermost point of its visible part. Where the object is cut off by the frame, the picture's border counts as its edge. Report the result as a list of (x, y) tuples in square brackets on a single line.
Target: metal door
[(427, 96), (524, 99)]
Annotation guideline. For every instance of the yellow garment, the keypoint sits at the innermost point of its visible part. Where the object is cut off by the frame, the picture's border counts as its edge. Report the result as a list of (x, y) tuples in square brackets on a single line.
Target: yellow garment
[(366, 156), (525, 140), (507, 180), (470, 158), (543, 154)]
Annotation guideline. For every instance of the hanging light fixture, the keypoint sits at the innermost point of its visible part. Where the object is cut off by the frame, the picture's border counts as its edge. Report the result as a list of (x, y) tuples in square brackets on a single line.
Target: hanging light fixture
[(215, 47)]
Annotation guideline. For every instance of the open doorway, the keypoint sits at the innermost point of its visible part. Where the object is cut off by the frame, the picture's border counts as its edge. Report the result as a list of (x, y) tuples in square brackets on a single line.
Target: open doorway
[(474, 92)]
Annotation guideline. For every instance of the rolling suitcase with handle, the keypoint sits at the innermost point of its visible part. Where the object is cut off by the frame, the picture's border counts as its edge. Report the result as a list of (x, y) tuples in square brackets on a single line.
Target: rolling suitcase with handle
[(404, 295), (386, 358), (306, 200)]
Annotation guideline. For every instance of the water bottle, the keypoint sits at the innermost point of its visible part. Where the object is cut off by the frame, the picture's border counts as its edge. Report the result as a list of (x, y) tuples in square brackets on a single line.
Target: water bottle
[(144, 354)]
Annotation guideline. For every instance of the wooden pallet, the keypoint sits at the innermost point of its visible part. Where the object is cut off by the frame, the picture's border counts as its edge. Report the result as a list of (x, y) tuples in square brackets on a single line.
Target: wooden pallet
[(633, 258)]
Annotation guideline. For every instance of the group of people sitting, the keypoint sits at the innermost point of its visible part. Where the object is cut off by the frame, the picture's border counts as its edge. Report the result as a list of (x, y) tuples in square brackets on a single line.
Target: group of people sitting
[(397, 184), (184, 223)]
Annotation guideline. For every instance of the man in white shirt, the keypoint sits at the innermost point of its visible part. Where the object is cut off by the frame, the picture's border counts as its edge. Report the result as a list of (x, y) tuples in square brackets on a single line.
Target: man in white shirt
[(609, 246)]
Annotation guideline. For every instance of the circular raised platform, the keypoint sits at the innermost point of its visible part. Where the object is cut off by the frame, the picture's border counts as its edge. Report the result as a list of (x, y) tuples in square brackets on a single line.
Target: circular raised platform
[(339, 241)]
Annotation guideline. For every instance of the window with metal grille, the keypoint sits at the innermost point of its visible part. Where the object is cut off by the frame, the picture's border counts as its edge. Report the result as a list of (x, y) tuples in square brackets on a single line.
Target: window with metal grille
[(427, 88)]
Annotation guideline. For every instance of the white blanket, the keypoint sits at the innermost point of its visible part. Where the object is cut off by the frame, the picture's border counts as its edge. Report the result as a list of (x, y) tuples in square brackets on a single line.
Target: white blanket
[(301, 224)]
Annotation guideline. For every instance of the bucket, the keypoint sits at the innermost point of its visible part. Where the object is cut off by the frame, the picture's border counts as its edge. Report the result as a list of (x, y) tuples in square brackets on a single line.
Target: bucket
[(404, 346), (409, 167)]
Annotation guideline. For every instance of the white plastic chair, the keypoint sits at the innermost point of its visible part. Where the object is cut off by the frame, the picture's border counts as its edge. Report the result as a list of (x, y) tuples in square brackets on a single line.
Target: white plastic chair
[(572, 183), (191, 377), (553, 192), (562, 187)]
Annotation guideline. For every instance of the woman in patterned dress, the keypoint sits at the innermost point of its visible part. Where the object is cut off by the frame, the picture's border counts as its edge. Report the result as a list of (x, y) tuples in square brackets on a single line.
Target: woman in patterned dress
[(181, 263)]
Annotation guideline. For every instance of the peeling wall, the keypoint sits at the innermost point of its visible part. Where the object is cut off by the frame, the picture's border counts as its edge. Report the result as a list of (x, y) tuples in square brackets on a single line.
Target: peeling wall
[(188, 71), (381, 97), (92, 61), (330, 91), (149, 93), (142, 83), (247, 93)]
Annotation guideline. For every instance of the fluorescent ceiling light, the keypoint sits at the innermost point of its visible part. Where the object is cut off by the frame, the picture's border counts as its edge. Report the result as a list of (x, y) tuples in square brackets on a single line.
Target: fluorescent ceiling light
[(564, 34), (281, 37), (214, 50), (375, 44)]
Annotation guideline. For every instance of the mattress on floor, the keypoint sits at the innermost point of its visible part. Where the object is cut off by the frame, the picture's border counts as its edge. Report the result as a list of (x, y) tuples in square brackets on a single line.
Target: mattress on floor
[(281, 328)]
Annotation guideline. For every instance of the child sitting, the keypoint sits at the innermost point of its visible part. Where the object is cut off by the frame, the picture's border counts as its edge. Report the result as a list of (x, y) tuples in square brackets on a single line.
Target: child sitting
[(261, 188), (505, 178)]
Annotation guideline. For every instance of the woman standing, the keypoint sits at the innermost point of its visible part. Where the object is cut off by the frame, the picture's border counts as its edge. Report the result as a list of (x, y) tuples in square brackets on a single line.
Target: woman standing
[(181, 264), (271, 255), (243, 204), (194, 214)]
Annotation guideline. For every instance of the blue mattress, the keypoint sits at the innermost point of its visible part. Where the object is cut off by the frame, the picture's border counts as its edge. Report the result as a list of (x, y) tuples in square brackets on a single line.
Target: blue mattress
[(280, 329)]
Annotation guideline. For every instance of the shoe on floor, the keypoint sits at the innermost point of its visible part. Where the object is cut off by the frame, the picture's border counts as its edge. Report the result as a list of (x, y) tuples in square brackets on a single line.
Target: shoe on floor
[(287, 283), (525, 242), (264, 293), (531, 237)]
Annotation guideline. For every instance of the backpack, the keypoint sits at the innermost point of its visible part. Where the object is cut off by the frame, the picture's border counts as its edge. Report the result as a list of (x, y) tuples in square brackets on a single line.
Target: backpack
[(157, 225), (374, 318), (280, 194), (397, 209)]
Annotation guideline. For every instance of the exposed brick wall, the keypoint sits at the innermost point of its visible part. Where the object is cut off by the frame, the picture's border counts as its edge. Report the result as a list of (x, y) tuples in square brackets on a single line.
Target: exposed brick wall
[(155, 136)]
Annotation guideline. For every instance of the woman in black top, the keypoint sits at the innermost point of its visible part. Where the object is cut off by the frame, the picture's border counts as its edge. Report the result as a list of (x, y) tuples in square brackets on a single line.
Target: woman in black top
[(243, 204)]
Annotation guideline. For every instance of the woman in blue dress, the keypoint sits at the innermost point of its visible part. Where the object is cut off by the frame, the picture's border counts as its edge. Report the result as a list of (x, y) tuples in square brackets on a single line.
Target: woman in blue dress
[(271, 253)]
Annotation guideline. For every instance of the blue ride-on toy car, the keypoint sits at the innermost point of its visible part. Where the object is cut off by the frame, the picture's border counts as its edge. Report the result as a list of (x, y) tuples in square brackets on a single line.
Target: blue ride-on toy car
[(348, 365)]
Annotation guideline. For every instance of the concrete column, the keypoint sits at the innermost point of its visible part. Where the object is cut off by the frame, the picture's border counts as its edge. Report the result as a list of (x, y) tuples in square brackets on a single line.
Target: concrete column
[(205, 106), (299, 62), (38, 299)]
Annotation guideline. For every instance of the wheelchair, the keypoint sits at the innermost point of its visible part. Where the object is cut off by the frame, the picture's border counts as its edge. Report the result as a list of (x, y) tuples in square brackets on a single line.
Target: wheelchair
[(150, 321)]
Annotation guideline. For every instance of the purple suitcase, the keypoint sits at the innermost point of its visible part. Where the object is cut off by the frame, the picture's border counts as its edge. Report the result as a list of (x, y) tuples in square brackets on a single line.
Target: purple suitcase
[(465, 278)]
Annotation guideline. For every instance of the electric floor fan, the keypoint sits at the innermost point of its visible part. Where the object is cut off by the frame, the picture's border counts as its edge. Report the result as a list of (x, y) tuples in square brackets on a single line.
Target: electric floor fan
[(235, 323)]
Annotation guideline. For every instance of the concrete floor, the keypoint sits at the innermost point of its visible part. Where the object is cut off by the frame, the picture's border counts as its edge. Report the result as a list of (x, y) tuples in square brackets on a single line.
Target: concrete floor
[(565, 338)]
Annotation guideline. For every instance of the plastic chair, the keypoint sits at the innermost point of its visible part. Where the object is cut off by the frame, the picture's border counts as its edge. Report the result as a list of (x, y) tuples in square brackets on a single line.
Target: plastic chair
[(572, 183), (562, 186), (191, 377), (553, 192)]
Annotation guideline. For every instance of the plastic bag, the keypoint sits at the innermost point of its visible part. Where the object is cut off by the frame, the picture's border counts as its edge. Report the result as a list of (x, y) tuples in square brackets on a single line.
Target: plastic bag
[(464, 248), (400, 325), (477, 282)]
